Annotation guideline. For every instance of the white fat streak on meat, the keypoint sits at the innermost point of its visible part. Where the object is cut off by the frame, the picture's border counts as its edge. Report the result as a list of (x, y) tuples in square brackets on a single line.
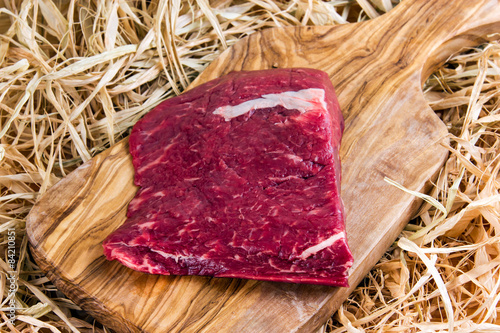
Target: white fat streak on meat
[(146, 225), (322, 245), (176, 257), (146, 265), (161, 157), (283, 179), (303, 100), (294, 158), (124, 258), (281, 270), (192, 179), (136, 202)]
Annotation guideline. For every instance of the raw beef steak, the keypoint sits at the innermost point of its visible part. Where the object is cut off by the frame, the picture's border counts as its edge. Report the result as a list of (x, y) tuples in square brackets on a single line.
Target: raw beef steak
[(240, 177)]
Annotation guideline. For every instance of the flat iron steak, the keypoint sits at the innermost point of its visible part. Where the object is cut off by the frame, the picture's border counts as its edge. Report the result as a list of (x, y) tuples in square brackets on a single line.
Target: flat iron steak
[(240, 177)]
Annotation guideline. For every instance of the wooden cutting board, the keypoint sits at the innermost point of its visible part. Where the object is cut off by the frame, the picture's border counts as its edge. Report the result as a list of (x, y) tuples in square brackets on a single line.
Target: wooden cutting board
[(377, 68)]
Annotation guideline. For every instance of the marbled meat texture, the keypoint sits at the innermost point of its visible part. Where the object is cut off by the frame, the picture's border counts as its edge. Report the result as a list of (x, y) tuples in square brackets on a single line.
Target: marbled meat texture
[(240, 177)]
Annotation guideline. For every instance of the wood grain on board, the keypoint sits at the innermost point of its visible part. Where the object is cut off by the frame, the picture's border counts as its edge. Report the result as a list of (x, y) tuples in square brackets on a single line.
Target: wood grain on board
[(377, 68)]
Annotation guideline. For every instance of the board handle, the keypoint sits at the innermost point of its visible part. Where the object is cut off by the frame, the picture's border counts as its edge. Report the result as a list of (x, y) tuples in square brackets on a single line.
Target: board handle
[(453, 26), (435, 20), (439, 28)]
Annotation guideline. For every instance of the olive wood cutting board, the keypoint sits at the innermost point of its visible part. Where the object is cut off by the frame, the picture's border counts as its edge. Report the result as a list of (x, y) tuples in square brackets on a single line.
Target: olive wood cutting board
[(377, 68)]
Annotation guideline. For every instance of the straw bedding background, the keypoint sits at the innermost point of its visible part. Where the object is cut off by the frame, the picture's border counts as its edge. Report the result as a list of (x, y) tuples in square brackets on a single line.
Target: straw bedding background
[(75, 75)]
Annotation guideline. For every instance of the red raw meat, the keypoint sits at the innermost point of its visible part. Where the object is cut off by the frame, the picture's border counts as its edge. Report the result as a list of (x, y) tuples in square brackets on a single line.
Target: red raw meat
[(240, 177)]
